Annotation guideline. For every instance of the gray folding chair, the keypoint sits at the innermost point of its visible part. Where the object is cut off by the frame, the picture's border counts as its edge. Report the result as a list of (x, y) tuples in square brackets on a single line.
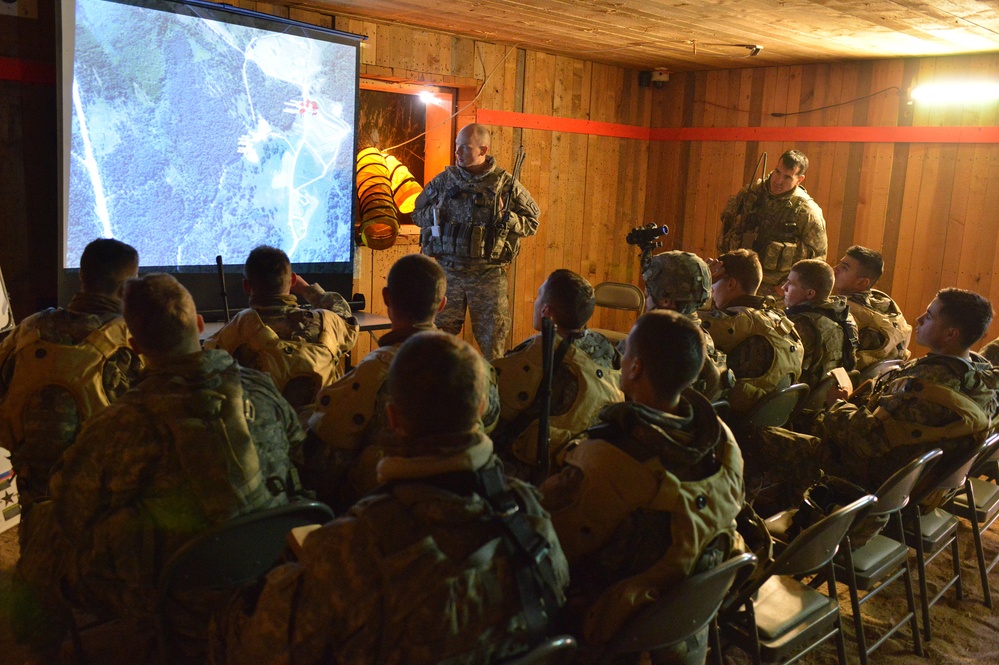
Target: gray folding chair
[(619, 296), (554, 651), (773, 410), (978, 502)]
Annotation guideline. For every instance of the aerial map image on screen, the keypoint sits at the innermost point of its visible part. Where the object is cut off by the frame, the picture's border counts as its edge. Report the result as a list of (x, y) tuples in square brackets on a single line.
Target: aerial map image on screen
[(193, 138)]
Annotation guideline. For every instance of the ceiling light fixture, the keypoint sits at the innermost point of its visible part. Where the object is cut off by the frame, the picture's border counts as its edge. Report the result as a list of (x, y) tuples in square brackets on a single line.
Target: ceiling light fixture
[(956, 92)]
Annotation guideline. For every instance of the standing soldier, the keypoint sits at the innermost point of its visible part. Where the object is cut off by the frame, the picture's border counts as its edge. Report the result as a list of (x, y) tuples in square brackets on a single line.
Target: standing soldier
[(777, 219), (472, 217)]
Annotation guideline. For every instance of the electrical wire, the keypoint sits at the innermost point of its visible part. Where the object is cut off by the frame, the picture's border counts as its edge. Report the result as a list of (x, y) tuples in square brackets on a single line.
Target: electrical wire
[(474, 99), (777, 114)]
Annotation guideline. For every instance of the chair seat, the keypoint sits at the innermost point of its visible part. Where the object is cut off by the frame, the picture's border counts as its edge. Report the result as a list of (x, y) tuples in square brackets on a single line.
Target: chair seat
[(986, 501), (877, 559), (935, 528), (784, 604)]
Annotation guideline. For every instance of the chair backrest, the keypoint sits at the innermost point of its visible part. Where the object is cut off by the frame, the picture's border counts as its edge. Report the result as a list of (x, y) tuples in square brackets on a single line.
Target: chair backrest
[(893, 495), (681, 612), (238, 551), (774, 410), (872, 372), (617, 295), (817, 396), (951, 472), (553, 651), (810, 550)]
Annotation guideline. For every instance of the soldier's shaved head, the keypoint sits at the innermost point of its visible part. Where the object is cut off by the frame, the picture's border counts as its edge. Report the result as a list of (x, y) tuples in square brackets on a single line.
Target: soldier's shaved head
[(105, 265), (471, 147), (479, 132), (415, 288), (568, 298), (161, 316), (437, 385), (268, 271)]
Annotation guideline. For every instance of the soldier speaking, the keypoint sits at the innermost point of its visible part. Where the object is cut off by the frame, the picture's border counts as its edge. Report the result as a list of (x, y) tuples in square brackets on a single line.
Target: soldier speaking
[(777, 219), (471, 218)]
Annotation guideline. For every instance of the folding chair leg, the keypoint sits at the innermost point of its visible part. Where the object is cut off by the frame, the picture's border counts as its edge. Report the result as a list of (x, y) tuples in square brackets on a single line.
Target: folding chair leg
[(715, 640), (955, 553), (976, 531), (924, 596), (858, 619), (917, 641)]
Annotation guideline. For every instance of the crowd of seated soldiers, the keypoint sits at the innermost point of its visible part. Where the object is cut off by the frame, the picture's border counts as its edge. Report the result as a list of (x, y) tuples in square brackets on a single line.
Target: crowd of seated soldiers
[(424, 450)]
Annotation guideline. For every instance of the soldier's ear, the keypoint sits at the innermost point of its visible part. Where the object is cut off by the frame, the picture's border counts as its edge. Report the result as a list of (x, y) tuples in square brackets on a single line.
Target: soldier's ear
[(393, 419), (246, 286), (864, 283), (201, 324), (134, 346), (443, 303)]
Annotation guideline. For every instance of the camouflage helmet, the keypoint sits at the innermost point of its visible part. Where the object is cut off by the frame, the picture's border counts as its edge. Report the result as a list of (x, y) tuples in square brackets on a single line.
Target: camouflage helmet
[(678, 276)]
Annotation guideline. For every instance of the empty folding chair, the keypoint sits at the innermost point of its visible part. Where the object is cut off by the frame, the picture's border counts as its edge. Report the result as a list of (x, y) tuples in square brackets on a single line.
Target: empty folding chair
[(777, 618), (619, 296), (984, 496)]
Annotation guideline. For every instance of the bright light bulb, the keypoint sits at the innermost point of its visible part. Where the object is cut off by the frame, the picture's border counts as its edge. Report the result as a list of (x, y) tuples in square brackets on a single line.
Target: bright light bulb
[(956, 92), (427, 97)]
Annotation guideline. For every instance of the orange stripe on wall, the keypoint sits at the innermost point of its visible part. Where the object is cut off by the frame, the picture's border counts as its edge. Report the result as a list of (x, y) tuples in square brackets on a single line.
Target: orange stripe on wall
[(742, 134), (26, 71)]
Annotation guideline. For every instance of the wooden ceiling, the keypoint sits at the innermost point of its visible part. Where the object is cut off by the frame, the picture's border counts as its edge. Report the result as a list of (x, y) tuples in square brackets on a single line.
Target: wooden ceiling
[(705, 34)]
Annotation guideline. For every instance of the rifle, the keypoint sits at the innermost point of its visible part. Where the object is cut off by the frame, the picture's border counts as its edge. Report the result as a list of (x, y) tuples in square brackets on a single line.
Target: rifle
[(503, 228), (542, 455), (740, 214)]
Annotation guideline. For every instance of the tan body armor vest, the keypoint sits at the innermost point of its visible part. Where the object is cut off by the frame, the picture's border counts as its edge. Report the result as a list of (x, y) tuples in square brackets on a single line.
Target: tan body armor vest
[(290, 360), (891, 325), (520, 377), (214, 450), (832, 339), (700, 511), (734, 325), (972, 418), (79, 369)]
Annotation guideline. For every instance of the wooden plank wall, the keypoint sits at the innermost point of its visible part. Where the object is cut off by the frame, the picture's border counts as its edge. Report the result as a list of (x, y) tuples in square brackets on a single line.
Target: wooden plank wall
[(591, 190), (931, 209)]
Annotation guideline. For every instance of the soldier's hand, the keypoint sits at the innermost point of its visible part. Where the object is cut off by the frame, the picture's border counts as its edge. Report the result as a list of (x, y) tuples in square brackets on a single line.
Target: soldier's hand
[(298, 285), (717, 269)]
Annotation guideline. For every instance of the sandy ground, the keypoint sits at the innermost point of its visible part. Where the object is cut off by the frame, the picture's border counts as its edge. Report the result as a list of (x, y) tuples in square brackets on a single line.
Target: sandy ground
[(964, 631)]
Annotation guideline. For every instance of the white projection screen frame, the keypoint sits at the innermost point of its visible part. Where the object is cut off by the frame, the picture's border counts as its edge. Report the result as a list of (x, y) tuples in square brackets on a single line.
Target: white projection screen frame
[(192, 130)]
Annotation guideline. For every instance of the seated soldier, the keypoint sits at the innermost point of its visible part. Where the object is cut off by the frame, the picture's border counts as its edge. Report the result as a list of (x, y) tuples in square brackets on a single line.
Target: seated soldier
[(585, 379), (430, 569), (827, 330), (945, 399), (60, 367), (349, 428), (197, 441), (650, 496), (681, 282), (300, 348), (881, 327), (763, 348)]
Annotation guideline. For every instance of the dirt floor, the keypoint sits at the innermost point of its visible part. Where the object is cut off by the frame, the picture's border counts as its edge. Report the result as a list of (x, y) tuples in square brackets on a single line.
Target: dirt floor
[(964, 631)]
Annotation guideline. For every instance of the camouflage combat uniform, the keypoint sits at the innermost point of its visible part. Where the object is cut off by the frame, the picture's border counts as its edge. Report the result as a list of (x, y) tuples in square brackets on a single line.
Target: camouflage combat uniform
[(645, 500), (300, 348), (763, 348), (931, 402), (829, 337), (349, 429), (782, 229), (883, 331), (473, 249), (587, 380), (196, 442), (418, 574), (57, 369), (991, 352), (684, 279)]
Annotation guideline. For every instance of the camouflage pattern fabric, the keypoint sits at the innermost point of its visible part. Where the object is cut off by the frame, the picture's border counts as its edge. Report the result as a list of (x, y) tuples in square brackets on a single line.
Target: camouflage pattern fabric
[(762, 347), (882, 329), (991, 352), (483, 291), (644, 500), (829, 337), (581, 386), (338, 334), (715, 379), (418, 575), (851, 438), (198, 441), (51, 418), (351, 431), (782, 229), (470, 209)]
